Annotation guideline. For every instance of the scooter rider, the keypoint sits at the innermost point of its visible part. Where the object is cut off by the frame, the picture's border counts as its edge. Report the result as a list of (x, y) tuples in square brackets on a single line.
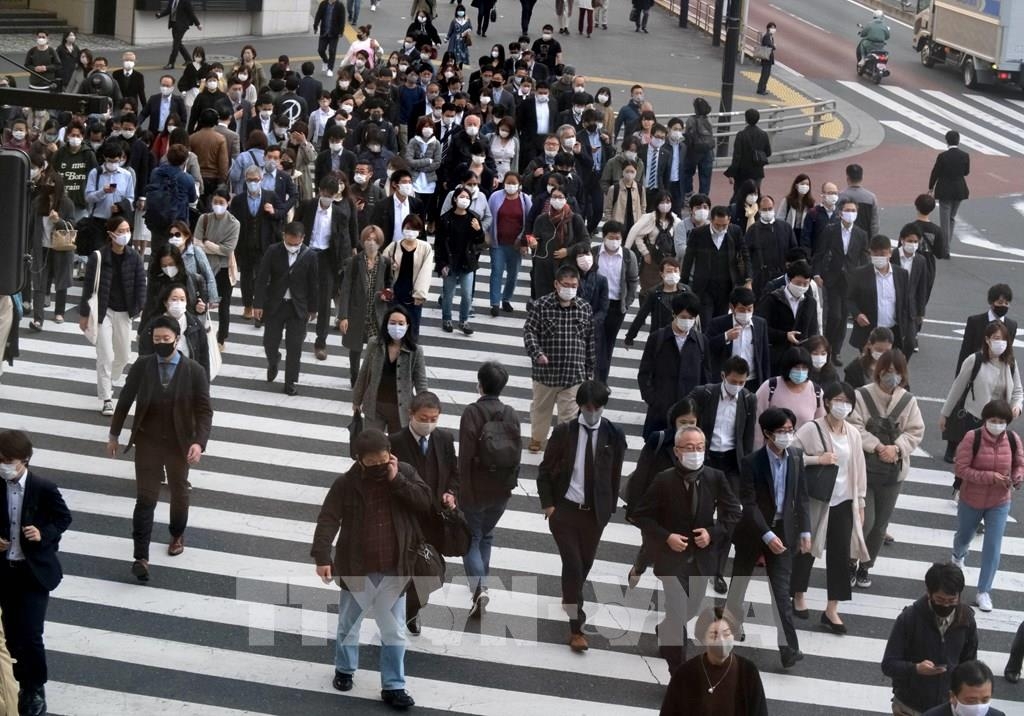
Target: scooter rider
[(873, 37)]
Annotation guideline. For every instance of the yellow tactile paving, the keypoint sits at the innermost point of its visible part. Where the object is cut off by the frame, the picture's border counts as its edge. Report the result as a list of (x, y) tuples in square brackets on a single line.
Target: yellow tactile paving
[(833, 127)]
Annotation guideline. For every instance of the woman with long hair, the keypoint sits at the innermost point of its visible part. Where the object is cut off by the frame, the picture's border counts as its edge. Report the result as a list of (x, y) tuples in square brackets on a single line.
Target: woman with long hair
[(52, 210), (793, 208), (860, 370), (363, 297), (652, 238), (555, 233)]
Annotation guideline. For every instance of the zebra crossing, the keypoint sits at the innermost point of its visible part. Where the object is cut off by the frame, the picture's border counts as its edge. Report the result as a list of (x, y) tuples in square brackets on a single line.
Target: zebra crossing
[(989, 126), (239, 624)]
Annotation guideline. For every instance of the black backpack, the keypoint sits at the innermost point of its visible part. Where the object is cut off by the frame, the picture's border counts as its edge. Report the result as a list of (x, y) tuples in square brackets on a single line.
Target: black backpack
[(163, 197), (701, 136), (499, 448)]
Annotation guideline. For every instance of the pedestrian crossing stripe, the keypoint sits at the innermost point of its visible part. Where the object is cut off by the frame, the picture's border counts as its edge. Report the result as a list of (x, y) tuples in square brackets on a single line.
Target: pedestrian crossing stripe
[(252, 523)]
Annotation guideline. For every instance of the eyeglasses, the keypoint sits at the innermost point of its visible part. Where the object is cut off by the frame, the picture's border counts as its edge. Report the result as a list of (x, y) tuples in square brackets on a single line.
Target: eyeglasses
[(176, 234)]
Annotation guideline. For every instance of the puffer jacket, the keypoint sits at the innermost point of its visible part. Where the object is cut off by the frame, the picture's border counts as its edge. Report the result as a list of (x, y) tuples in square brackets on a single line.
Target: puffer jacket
[(979, 488), (132, 273)]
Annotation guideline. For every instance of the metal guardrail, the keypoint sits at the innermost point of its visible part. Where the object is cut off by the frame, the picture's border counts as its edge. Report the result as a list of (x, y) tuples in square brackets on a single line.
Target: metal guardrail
[(774, 120), (702, 15)]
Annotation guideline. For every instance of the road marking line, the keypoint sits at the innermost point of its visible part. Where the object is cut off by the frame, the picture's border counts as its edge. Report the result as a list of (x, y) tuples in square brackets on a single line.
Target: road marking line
[(993, 104), (1019, 206), (1011, 129), (914, 134), (800, 19), (956, 119), (887, 17)]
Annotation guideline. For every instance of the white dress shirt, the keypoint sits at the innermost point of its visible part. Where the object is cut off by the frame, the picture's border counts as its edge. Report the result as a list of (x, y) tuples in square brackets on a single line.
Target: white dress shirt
[(610, 266), (15, 498), (885, 287), (320, 238), (744, 345), (401, 211), (723, 438), (847, 232), (907, 262), (577, 484), (543, 117), (794, 302)]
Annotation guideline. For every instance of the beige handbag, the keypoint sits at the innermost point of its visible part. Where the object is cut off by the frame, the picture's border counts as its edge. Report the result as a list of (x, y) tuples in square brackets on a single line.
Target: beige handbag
[(63, 236)]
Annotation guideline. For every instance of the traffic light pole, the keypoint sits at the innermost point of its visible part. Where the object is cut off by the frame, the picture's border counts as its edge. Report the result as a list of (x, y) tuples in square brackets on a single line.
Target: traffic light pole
[(732, 45)]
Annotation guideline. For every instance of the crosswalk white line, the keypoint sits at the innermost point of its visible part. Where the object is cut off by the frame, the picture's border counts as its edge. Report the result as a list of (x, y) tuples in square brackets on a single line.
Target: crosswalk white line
[(914, 134), (914, 116), (78, 700), (996, 106), (975, 113)]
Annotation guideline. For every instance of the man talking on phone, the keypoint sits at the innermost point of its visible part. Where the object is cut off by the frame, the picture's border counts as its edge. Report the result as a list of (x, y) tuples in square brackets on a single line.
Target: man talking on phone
[(929, 639)]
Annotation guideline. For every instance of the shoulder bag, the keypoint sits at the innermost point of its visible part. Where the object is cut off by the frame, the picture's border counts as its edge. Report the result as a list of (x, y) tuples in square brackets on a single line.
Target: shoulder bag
[(886, 429), (959, 421), (63, 236), (821, 479), (92, 329)]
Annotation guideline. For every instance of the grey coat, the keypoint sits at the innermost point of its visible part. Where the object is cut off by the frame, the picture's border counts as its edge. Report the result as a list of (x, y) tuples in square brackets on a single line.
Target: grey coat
[(352, 299), (412, 379), (423, 157)]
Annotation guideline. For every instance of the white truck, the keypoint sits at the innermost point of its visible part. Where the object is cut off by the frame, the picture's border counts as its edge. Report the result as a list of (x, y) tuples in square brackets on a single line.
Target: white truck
[(983, 39)]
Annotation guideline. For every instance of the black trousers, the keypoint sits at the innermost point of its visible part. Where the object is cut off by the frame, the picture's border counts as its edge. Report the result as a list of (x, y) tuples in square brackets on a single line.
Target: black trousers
[(766, 73), (714, 302), (327, 48), (1013, 664), (354, 359), (606, 338), (283, 320), (225, 289), (779, 568), (526, 15), (729, 464), (156, 457), (837, 556), (327, 283), (577, 534), (247, 268), (177, 47), (24, 601), (836, 313)]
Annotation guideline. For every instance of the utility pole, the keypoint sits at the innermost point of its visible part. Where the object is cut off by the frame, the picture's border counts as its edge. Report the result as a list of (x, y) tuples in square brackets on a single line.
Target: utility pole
[(716, 27), (732, 44)]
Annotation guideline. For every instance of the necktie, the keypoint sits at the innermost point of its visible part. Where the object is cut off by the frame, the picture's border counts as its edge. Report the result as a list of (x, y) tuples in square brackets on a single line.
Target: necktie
[(444, 145), (588, 469), (174, 9), (424, 445), (652, 174)]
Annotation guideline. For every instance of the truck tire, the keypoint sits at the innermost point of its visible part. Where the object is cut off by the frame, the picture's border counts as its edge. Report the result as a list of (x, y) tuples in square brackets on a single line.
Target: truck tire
[(970, 74), (927, 59)]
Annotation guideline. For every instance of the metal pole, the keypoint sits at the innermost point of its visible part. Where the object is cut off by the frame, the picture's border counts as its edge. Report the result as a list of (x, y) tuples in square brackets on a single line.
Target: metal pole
[(684, 13), (732, 37), (716, 32)]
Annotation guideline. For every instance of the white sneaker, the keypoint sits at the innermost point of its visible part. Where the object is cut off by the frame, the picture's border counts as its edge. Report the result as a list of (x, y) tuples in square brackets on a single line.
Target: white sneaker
[(373, 7), (959, 562), (325, 68), (108, 408), (330, 73), (984, 601)]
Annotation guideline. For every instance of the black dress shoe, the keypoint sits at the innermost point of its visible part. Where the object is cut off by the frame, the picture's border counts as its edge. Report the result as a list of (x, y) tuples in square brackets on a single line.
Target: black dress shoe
[(397, 699), (507, 307), (832, 626), (801, 613), (789, 656), (32, 702), (720, 586), (140, 568), (494, 311), (289, 389), (271, 373), (342, 682), (169, 67), (447, 326), (1012, 676)]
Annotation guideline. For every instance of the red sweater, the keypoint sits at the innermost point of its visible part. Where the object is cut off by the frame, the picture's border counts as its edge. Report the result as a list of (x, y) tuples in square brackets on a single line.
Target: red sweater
[(980, 489)]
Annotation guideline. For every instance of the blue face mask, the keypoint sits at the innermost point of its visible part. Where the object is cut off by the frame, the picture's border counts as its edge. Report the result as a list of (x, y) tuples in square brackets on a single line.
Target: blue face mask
[(798, 375)]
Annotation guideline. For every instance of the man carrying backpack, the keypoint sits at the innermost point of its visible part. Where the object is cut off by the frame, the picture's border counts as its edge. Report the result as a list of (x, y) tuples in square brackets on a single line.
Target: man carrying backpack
[(490, 446), (699, 136), (168, 195)]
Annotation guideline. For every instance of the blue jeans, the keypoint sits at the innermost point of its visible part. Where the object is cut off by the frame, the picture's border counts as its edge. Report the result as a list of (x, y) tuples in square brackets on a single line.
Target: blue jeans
[(477, 561), (465, 283), (968, 519), (703, 166), (383, 597), (504, 259), (353, 11)]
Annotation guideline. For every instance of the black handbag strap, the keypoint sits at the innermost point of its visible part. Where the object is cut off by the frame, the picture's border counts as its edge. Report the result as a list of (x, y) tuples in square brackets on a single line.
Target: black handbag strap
[(824, 447)]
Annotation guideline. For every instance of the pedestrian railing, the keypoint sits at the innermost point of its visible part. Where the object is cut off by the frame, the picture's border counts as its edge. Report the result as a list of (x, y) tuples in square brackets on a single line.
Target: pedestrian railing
[(701, 14)]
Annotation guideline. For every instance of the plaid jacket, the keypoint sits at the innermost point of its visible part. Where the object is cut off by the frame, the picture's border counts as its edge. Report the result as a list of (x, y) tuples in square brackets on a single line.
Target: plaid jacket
[(565, 335)]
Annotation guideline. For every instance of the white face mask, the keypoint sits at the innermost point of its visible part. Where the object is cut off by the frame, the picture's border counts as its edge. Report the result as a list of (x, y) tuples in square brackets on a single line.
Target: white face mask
[(212, 85), (910, 248), (558, 204), (743, 317), (849, 216), (122, 239), (566, 294), (176, 308), (819, 361), (875, 355), (670, 278), (74, 142), (585, 261), (797, 291), (337, 147), (176, 241), (840, 411), (732, 389), (767, 216), (420, 427), (970, 709), (220, 209), (701, 215), (685, 324), (997, 347), (995, 428), (462, 202), (830, 199), (406, 189), (602, 98), (782, 440), (360, 178), (879, 262), (9, 470), (612, 245), (397, 332), (18, 134), (664, 208), (692, 460), (293, 249), (511, 189), (410, 234), (472, 131), (751, 199), (591, 417), (803, 189)]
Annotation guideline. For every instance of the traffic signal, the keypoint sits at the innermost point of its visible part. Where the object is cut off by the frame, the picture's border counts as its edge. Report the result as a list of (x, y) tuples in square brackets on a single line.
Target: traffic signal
[(15, 200)]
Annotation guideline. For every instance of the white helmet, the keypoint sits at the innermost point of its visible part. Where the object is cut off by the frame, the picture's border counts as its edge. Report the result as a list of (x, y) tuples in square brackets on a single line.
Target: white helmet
[(879, 14)]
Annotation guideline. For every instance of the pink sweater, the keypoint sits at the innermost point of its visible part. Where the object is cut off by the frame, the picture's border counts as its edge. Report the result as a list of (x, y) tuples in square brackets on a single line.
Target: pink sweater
[(980, 489)]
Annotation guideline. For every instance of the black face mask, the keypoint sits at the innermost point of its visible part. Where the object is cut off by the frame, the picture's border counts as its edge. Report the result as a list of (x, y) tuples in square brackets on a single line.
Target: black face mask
[(377, 473), (164, 350), (1000, 311), (943, 610)]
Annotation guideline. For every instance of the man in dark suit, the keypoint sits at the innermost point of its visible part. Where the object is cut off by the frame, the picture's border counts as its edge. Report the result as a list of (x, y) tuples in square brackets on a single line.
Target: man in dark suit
[(329, 24), (790, 312), (170, 430), (657, 160), (536, 118), (776, 521), (277, 180), (717, 258), (162, 105), (726, 412), (403, 201), (908, 257), (132, 83), (999, 298), (740, 333), (331, 232), (310, 87), (677, 517), (948, 182), (675, 361), (286, 299), (889, 308), (842, 250), (578, 485), (33, 517), (432, 453), (336, 158), (180, 17), (750, 152)]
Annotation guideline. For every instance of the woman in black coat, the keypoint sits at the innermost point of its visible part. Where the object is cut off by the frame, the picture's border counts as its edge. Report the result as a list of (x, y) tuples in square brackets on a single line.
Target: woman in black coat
[(167, 268), (861, 370), (460, 238), (556, 232), (363, 297), (192, 340)]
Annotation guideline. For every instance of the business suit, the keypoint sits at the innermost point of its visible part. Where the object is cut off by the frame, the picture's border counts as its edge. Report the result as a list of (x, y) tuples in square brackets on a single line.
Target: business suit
[(661, 173), (180, 17), (833, 263), (133, 85), (309, 90), (168, 421), (342, 238), (974, 335), (710, 282), (668, 373), (25, 585), (151, 111), (720, 349), (948, 181), (577, 526), (768, 244), (285, 190), (750, 152), (325, 164), (531, 138), (919, 276), (862, 297), (384, 215), (757, 485), (629, 283), (681, 502), (279, 275), (777, 313)]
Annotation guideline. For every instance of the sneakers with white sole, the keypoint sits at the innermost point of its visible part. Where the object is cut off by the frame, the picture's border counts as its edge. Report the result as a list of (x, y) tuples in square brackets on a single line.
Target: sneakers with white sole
[(108, 408), (983, 601), (959, 562)]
